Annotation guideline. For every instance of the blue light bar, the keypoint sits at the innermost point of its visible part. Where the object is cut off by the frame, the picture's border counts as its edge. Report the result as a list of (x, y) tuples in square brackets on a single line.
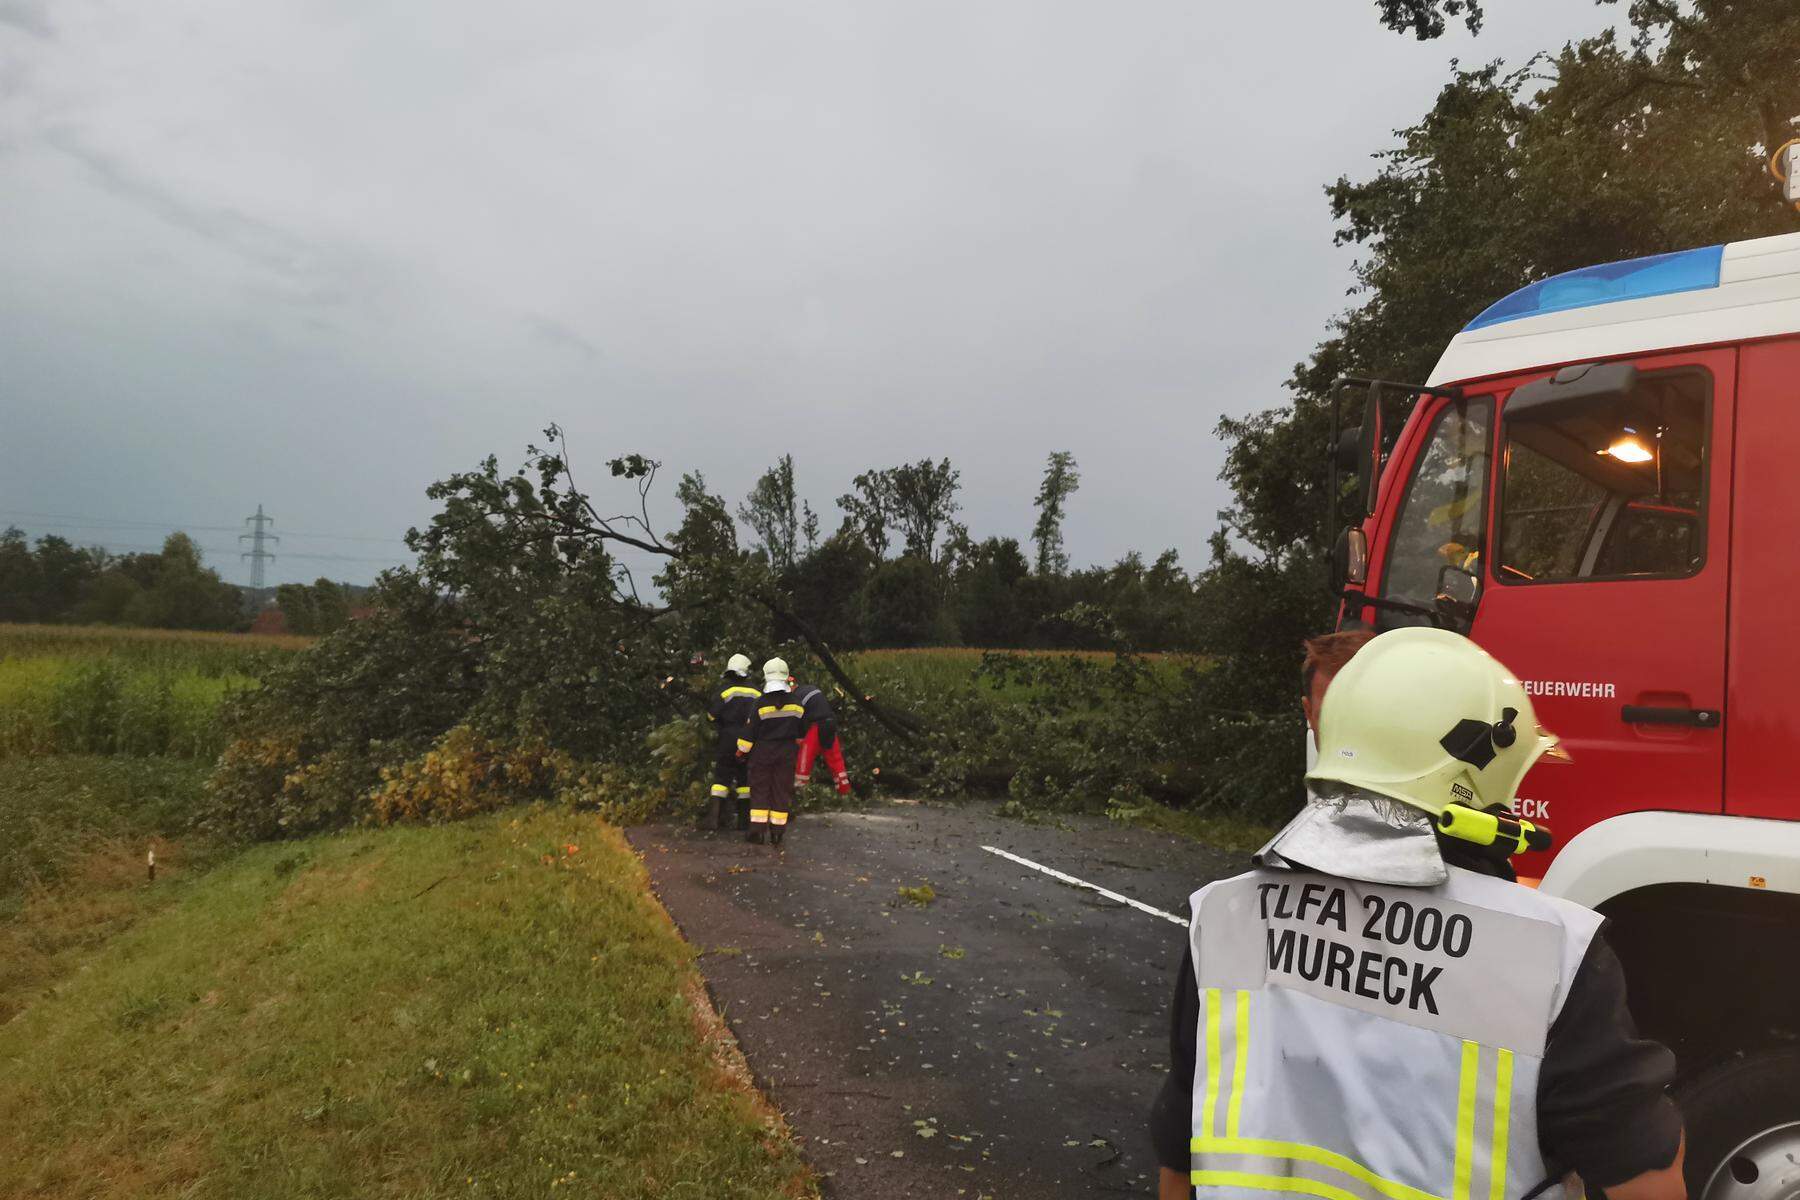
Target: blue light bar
[(1633, 279)]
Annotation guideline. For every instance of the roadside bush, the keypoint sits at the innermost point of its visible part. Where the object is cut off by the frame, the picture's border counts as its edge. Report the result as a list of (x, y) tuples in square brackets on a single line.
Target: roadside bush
[(674, 775), (465, 773), (1084, 731)]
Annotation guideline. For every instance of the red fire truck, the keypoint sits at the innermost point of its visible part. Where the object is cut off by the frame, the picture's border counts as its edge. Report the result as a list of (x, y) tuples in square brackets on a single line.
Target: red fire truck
[(1592, 484)]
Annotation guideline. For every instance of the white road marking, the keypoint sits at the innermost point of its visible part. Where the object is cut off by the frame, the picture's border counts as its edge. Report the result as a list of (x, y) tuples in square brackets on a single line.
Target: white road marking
[(1053, 873)]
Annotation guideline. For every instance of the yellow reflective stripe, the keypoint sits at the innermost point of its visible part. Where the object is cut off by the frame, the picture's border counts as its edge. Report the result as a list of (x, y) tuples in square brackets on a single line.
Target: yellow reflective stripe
[(796, 709), (1465, 1121), (719, 789), (759, 815), (1300, 1152), (729, 692), (778, 818), (1271, 1183), (743, 791), (1240, 1052), (1502, 1111), (1210, 1103), (744, 745)]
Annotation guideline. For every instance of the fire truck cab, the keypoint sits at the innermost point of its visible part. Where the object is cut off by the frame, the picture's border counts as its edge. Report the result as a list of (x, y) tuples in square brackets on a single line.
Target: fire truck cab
[(1597, 485)]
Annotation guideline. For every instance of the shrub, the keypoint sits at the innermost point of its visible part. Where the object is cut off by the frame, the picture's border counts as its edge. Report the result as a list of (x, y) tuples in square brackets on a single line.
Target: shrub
[(465, 773)]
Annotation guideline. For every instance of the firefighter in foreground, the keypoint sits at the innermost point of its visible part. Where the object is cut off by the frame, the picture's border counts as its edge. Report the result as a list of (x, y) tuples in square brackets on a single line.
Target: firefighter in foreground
[(821, 738), (771, 743), (1377, 1012), (730, 710)]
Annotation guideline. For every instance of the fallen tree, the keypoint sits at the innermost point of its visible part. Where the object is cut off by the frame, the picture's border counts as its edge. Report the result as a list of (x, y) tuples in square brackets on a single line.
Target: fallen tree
[(519, 658)]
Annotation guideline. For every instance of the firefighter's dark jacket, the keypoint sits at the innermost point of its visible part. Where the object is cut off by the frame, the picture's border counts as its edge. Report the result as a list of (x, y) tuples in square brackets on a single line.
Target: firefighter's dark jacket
[(731, 709), (778, 720), (819, 712), (1600, 1104)]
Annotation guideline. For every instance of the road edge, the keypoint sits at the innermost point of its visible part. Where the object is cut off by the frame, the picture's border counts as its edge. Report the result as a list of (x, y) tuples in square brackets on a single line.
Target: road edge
[(732, 1070)]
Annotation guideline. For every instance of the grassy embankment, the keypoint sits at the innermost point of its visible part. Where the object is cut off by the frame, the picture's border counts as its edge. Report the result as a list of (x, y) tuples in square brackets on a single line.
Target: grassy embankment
[(491, 1008)]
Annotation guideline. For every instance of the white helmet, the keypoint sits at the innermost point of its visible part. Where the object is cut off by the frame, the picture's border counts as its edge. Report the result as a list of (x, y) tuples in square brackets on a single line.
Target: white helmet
[(739, 664), (776, 671), (1429, 718)]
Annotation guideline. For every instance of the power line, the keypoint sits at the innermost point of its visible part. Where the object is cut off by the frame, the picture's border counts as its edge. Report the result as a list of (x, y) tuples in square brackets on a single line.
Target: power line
[(151, 548), (80, 521)]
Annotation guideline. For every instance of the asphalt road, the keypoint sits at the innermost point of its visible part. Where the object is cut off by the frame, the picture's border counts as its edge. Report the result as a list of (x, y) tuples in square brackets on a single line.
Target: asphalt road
[(1003, 1040)]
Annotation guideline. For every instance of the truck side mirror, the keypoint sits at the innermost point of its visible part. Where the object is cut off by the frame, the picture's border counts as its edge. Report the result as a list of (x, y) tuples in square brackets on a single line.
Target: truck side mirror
[(1349, 560), (1368, 453), (1458, 594)]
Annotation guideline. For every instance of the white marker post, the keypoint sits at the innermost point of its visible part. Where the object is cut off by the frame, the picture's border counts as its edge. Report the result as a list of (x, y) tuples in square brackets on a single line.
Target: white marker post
[(1053, 873)]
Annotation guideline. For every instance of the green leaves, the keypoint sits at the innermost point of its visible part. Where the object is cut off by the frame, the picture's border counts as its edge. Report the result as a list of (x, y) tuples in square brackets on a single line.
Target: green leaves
[(922, 895), (632, 466)]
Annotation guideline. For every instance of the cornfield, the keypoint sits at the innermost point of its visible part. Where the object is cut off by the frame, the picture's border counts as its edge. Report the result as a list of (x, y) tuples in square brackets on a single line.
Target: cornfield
[(86, 690)]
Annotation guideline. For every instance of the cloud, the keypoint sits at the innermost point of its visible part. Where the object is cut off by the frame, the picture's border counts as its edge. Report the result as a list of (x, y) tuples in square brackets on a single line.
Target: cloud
[(558, 334), (319, 253), (278, 255), (29, 16)]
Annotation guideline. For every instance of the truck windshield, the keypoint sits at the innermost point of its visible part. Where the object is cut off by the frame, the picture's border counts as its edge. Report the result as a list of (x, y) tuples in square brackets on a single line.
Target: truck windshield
[(1443, 514)]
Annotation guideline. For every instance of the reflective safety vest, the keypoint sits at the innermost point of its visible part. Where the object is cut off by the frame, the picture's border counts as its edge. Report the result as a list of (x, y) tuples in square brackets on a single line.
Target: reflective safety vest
[(1366, 1042)]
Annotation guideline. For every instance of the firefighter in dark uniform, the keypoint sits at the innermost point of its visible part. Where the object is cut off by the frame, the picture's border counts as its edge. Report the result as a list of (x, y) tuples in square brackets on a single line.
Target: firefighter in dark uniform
[(772, 746), (1377, 1009), (821, 739), (730, 711)]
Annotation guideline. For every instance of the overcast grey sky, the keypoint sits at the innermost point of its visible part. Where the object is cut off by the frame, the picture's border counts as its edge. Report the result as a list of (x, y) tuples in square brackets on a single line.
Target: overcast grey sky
[(315, 254)]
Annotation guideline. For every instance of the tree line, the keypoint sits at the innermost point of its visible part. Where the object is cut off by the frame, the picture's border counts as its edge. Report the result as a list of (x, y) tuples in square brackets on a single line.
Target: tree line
[(901, 570), (57, 581)]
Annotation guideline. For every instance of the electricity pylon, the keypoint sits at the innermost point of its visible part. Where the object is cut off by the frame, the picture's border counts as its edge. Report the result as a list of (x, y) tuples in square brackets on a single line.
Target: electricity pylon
[(256, 554)]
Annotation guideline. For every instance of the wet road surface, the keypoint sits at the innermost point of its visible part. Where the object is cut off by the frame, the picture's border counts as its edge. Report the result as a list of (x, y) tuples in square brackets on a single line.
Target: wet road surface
[(1003, 1039)]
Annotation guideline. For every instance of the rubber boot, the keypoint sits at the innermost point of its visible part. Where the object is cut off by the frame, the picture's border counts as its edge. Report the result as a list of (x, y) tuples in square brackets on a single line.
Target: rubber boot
[(715, 814), (743, 814), (775, 832)]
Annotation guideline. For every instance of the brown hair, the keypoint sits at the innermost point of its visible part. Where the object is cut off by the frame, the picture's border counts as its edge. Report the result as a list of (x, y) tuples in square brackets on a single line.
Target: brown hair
[(1329, 653)]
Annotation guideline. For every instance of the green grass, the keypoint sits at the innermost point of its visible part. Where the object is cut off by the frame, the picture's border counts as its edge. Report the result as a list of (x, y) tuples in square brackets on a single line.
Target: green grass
[(55, 811), (493, 1008), (74, 833)]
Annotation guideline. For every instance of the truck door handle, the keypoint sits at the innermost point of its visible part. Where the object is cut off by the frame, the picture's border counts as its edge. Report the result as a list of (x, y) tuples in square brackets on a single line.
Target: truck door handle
[(1652, 714)]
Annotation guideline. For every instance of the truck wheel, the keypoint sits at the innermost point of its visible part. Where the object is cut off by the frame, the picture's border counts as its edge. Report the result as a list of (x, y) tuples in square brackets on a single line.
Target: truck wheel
[(1743, 1123)]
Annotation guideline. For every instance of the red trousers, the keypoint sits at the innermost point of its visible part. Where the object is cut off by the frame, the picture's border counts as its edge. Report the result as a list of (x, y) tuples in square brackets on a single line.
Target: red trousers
[(834, 758)]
